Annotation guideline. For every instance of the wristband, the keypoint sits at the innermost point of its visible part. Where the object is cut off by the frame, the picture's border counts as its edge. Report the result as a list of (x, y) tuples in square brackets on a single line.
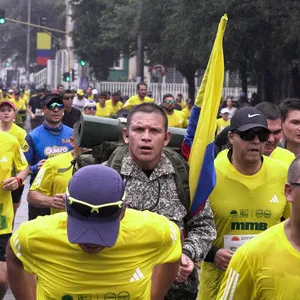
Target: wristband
[(20, 181)]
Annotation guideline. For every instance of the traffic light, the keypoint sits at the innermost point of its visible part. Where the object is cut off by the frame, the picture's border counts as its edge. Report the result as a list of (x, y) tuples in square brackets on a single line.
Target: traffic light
[(7, 64), (82, 63), (66, 77), (43, 21), (73, 75), (2, 16)]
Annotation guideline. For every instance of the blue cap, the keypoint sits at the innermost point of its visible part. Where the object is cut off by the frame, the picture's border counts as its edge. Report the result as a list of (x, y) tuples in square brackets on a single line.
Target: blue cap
[(95, 185)]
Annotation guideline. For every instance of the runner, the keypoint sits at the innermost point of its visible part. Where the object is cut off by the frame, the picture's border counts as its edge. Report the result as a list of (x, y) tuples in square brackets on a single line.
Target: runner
[(268, 266), (98, 249), (248, 197)]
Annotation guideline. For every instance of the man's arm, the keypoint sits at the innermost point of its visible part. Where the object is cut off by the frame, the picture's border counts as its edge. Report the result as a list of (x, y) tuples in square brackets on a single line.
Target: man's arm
[(38, 199), (162, 279), (22, 284), (201, 232)]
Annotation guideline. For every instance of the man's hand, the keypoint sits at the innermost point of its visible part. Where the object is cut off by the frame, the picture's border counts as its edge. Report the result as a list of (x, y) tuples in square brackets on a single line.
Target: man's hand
[(58, 201), (40, 163), (222, 258), (10, 184), (185, 269), (32, 116)]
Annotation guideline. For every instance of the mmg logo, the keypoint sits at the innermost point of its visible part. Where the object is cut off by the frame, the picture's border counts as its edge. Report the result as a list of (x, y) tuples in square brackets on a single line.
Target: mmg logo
[(249, 226)]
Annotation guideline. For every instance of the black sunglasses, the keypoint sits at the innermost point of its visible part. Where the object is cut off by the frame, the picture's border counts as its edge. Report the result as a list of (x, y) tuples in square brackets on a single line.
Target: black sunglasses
[(250, 134), (295, 184)]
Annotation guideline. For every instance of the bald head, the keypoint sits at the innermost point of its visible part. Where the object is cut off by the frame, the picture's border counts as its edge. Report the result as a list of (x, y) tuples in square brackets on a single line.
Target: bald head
[(294, 171)]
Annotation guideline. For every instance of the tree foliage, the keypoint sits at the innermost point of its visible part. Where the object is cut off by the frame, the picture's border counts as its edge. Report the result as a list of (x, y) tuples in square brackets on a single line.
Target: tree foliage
[(13, 36)]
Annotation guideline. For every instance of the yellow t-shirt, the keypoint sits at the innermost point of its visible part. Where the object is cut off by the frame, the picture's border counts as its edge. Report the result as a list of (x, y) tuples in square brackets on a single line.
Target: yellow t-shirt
[(20, 104), (135, 100), (90, 97), (267, 267), (221, 124), (49, 181), (11, 157), (145, 240), (7, 98), (116, 107), (105, 112), (177, 119), (25, 99), (182, 104), (19, 133), (283, 155), (243, 206), (187, 112)]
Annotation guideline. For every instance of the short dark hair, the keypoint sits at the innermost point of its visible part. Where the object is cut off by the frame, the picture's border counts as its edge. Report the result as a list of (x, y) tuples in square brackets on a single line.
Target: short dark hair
[(270, 110), (141, 83), (294, 170), (60, 86), (147, 107), (68, 92), (102, 94), (288, 105), (167, 96), (116, 94)]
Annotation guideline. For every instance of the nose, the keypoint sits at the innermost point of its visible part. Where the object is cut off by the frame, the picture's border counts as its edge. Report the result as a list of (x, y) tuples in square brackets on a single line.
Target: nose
[(256, 140), (271, 138), (146, 136)]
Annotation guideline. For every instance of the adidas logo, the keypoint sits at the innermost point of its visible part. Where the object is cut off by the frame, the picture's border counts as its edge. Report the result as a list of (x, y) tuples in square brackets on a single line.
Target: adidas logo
[(274, 199), (137, 275), (4, 159)]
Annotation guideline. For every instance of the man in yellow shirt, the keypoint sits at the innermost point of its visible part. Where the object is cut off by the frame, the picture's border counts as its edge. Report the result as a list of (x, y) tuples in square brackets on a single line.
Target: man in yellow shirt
[(115, 102), (268, 266), (139, 98), (188, 109), (20, 109), (89, 93), (176, 118), (49, 186), (98, 249), (273, 115), (103, 109), (5, 96), (224, 121), (180, 101), (11, 157), (248, 197), (7, 116)]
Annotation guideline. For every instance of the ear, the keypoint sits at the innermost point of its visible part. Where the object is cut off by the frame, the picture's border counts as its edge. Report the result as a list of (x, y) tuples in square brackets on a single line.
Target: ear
[(288, 191), (125, 135), (230, 137), (167, 138)]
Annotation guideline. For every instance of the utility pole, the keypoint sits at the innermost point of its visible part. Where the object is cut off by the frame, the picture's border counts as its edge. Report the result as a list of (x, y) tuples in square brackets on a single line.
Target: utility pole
[(140, 46), (28, 45)]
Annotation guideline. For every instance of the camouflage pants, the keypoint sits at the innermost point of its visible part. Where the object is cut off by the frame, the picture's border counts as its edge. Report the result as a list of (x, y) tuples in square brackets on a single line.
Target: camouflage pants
[(187, 290)]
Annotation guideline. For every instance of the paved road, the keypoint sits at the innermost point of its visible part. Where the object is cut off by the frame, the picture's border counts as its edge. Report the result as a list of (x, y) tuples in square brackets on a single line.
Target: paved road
[(21, 216)]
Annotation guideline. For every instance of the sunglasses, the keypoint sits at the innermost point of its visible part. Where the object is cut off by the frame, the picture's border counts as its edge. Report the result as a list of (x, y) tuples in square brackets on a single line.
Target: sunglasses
[(170, 101), (54, 105), (295, 184), (91, 108), (103, 210), (249, 135)]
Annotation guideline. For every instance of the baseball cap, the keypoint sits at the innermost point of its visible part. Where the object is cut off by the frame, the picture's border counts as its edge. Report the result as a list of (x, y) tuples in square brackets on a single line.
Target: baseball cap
[(224, 110), (94, 92), (80, 92), (89, 103), (7, 103), (10, 90), (90, 186), (49, 99), (246, 118)]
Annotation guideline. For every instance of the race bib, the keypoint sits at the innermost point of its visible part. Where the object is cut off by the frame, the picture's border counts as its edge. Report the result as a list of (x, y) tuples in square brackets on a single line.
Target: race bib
[(38, 112), (233, 242)]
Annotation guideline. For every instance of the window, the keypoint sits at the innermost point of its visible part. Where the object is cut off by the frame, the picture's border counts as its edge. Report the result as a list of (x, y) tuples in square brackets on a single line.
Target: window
[(119, 65)]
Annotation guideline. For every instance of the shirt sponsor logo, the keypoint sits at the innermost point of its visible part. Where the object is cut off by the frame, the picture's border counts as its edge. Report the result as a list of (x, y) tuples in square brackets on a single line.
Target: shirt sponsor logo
[(137, 275), (55, 150), (249, 226), (4, 159), (25, 147)]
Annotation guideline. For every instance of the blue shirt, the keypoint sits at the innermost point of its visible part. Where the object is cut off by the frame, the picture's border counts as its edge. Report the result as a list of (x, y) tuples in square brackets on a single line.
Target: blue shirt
[(44, 142)]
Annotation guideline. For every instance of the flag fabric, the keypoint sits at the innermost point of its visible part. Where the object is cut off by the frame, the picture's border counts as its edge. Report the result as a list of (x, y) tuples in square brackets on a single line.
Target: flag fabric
[(198, 144), (43, 48)]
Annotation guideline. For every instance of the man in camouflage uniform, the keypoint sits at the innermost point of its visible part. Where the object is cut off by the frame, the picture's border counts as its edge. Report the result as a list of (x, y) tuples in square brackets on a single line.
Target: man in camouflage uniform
[(150, 185)]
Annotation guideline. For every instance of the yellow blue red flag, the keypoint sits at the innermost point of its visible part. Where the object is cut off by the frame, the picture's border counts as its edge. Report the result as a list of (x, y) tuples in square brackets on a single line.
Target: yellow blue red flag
[(198, 144), (43, 48)]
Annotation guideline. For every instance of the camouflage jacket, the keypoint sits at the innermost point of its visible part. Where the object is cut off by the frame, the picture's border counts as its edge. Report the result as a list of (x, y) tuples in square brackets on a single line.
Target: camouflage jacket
[(158, 193)]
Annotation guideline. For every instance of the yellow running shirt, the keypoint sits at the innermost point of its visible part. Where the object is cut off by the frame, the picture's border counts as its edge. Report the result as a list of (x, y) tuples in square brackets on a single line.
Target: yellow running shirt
[(11, 157), (116, 107), (135, 100), (243, 206), (105, 111), (177, 119), (123, 271), (49, 181), (19, 133), (187, 112), (265, 268), (283, 155), (221, 124)]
